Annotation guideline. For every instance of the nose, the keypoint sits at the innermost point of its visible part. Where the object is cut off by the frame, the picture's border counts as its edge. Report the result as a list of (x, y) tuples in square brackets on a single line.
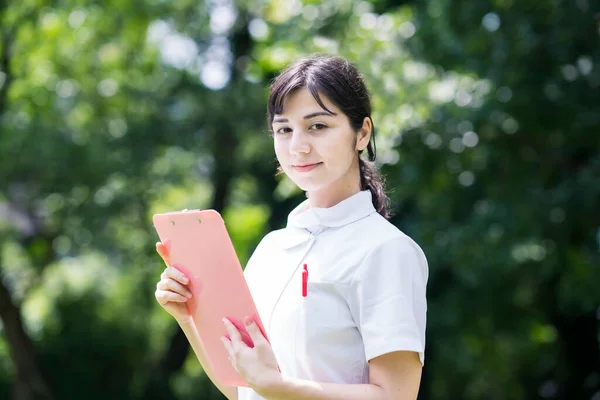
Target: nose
[(299, 143)]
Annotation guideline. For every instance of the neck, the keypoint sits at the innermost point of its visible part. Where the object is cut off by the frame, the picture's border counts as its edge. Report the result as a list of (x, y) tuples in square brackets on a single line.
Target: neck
[(338, 191)]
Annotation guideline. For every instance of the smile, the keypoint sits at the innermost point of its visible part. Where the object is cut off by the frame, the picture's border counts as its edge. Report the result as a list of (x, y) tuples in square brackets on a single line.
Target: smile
[(306, 168)]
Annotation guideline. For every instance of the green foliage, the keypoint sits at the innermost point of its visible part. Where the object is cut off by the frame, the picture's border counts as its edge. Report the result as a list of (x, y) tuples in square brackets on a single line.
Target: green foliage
[(486, 117), (84, 346)]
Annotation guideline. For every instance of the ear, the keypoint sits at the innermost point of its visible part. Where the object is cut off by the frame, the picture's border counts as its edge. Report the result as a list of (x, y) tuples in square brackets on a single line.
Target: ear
[(364, 134)]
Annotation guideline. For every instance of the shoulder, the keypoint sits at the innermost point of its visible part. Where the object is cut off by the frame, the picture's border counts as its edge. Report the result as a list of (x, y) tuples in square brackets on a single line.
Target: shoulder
[(265, 248), (269, 238), (385, 244), (376, 232), (266, 244)]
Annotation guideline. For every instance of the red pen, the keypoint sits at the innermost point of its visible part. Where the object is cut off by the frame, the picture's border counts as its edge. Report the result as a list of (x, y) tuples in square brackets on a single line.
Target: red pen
[(305, 281)]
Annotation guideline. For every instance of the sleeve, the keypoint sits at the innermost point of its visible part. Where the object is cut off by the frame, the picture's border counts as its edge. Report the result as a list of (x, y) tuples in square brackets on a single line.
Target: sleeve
[(387, 298)]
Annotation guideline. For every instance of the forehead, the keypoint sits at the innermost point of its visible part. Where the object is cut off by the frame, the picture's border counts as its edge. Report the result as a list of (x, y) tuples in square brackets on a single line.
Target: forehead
[(301, 102)]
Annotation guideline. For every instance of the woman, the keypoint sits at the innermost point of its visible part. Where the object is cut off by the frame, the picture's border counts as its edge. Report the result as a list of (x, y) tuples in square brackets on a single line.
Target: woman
[(357, 329)]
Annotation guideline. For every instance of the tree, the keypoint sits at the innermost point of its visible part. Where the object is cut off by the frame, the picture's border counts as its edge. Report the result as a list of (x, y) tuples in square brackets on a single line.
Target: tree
[(485, 116), (506, 198)]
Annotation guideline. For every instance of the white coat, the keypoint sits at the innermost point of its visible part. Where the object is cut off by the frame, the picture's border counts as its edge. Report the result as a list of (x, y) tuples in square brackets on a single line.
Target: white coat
[(366, 292)]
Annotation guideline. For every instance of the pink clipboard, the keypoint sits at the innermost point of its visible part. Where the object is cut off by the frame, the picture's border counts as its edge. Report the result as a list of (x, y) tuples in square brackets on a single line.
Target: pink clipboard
[(200, 247)]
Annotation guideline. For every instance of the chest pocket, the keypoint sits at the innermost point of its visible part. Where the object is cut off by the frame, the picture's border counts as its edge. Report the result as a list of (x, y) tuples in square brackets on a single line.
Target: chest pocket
[(324, 312), (324, 303), (327, 340), (324, 318)]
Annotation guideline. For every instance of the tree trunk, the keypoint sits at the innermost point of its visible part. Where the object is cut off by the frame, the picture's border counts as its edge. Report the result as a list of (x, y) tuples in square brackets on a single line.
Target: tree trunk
[(580, 343), (29, 383)]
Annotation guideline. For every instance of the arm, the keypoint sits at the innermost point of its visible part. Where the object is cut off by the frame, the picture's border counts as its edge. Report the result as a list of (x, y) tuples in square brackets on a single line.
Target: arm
[(392, 376), (192, 335)]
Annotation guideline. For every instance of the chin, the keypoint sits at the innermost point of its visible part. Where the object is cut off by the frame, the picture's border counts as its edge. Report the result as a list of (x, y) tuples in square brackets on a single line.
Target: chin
[(309, 185)]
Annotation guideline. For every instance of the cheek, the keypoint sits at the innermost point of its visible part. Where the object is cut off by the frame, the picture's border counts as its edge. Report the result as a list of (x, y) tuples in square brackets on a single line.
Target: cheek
[(281, 154), (279, 148), (340, 154)]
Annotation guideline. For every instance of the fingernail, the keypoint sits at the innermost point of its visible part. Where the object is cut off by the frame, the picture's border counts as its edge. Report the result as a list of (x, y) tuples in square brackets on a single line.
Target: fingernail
[(186, 280), (248, 321), (225, 320), (189, 294)]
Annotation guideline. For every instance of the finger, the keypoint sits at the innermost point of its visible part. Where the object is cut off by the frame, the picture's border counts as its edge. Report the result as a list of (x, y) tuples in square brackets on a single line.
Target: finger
[(228, 347), (254, 331), (234, 334), (241, 328), (177, 275), (231, 353), (163, 297), (162, 250), (169, 284)]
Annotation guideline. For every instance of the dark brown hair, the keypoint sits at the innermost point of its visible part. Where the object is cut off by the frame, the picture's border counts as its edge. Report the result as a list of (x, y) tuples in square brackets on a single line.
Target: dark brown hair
[(344, 86)]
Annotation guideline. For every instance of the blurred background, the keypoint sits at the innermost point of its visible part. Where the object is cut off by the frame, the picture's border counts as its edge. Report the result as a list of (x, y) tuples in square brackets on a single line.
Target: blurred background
[(487, 115)]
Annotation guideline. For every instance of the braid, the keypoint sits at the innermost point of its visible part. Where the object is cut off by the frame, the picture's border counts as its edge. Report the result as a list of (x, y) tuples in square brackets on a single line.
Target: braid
[(370, 179)]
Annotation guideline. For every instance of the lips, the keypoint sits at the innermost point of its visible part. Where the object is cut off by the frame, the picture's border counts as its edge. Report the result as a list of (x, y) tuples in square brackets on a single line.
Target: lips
[(306, 167)]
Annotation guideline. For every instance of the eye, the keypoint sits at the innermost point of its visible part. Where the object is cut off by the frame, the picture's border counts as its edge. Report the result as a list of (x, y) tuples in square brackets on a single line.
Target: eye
[(317, 126), (283, 130)]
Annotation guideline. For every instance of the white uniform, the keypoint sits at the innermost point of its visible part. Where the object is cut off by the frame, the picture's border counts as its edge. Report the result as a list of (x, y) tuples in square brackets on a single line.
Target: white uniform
[(366, 292)]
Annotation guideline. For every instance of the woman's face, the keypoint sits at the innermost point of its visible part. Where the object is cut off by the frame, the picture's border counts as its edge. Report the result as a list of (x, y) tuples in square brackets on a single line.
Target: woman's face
[(317, 150)]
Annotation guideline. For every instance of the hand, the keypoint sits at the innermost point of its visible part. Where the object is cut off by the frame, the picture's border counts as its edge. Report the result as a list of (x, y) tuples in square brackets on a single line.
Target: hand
[(172, 291), (256, 365)]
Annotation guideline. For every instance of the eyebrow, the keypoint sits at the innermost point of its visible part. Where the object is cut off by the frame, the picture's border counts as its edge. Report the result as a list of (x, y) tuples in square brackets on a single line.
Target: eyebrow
[(309, 116)]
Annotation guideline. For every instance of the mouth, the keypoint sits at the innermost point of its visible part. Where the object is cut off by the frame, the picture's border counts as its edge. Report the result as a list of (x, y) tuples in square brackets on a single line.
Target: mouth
[(306, 167)]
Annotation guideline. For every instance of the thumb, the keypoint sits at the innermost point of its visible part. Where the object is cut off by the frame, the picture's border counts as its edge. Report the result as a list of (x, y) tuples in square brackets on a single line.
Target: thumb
[(162, 250), (254, 331)]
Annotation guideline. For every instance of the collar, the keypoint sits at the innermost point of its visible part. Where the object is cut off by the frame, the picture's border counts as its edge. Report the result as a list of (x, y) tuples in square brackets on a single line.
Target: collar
[(314, 219), (304, 222)]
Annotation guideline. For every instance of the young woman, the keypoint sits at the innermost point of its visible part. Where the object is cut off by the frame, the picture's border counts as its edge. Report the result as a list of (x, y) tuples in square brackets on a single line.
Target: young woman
[(356, 329)]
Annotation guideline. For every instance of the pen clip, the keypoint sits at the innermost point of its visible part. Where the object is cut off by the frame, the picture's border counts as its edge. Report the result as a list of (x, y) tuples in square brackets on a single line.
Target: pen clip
[(305, 281)]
